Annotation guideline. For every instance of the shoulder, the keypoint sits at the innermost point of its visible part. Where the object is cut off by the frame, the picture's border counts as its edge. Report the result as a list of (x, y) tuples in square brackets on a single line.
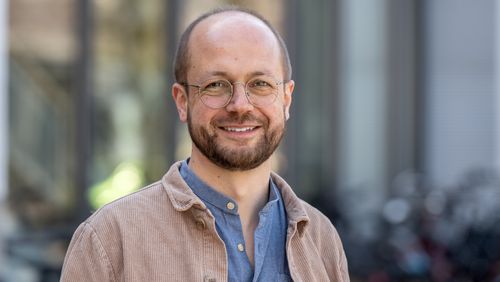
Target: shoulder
[(121, 221), (319, 225), (133, 207), (317, 236), (308, 218), (299, 210), (314, 214)]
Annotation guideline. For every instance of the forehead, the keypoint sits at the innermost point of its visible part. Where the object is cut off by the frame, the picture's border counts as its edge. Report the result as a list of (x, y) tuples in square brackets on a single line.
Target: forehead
[(224, 40), (230, 21)]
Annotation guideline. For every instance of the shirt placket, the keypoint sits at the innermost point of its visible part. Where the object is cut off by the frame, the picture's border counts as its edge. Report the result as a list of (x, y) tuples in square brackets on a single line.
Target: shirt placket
[(261, 238)]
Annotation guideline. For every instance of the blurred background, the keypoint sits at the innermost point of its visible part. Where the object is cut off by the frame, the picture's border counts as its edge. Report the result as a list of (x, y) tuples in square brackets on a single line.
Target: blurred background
[(394, 131)]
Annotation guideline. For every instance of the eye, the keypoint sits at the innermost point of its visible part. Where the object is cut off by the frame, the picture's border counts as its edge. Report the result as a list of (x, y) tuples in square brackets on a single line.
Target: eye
[(260, 83), (216, 88), (216, 85)]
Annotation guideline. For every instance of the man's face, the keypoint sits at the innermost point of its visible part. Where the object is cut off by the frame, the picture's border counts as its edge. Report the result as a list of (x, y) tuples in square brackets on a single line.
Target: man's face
[(239, 136)]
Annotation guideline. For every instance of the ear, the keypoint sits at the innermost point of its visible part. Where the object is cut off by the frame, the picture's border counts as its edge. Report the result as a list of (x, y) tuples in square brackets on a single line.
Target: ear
[(287, 99), (181, 100)]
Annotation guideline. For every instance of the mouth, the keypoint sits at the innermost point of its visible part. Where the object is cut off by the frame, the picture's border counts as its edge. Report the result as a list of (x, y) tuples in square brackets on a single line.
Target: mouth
[(239, 132), (239, 129)]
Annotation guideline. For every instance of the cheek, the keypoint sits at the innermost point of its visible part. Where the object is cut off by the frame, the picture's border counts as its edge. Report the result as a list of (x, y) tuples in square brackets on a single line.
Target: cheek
[(276, 115), (200, 116)]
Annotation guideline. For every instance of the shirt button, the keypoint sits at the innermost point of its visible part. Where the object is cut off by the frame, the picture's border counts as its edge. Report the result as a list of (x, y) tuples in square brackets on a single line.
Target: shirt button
[(241, 248), (230, 205)]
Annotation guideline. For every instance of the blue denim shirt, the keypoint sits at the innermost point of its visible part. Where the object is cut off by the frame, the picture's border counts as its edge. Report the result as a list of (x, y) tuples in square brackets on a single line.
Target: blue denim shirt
[(269, 236)]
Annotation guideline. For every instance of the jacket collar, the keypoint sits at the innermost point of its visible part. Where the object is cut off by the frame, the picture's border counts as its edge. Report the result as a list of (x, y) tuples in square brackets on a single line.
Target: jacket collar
[(179, 193), (183, 198), (296, 213)]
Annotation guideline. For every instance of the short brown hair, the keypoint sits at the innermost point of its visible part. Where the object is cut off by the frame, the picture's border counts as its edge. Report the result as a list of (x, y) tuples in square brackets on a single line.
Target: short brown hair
[(181, 61)]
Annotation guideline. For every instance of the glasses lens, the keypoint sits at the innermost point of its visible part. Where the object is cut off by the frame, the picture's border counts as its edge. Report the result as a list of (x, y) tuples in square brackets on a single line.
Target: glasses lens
[(262, 90), (215, 94)]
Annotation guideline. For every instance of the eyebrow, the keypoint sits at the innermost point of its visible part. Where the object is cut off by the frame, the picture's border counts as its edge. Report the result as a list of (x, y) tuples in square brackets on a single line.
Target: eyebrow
[(217, 73), (225, 74)]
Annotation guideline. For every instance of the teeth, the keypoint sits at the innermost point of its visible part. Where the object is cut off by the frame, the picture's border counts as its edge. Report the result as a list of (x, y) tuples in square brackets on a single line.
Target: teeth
[(239, 129)]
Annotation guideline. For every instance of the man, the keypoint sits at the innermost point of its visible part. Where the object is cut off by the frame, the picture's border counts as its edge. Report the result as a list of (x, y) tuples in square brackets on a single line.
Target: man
[(221, 215)]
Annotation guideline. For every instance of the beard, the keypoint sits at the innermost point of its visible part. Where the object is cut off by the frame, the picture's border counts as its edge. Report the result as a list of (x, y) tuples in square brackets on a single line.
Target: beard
[(241, 157)]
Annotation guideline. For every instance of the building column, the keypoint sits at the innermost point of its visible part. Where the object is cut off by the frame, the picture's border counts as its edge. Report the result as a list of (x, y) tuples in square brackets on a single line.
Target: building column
[(4, 116), (363, 99), (497, 86), (459, 80)]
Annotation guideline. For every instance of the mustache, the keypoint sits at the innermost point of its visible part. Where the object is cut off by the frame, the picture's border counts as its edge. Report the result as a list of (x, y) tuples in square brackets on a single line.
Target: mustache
[(236, 118)]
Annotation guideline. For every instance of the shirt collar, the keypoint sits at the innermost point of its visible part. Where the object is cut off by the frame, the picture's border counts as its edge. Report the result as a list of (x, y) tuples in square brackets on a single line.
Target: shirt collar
[(209, 195), (183, 198), (273, 197), (206, 193)]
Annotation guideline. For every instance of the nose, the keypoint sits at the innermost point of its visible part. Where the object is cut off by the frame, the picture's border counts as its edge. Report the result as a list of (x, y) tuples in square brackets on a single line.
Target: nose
[(239, 101)]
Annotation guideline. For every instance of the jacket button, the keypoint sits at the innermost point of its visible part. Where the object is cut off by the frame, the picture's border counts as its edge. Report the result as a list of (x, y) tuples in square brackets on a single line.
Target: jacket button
[(200, 223)]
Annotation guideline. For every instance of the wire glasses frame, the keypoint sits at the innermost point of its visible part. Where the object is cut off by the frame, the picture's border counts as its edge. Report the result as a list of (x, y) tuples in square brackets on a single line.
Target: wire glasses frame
[(217, 93)]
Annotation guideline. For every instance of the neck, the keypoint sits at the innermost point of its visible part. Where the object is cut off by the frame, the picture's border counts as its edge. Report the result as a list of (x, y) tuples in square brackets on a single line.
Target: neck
[(249, 188)]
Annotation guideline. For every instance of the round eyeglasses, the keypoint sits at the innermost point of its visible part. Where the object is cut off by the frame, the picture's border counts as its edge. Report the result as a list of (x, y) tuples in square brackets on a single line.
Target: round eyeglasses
[(217, 93)]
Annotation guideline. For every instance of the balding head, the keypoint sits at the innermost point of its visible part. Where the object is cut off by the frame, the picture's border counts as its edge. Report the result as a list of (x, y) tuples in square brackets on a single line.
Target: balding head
[(223, 18)]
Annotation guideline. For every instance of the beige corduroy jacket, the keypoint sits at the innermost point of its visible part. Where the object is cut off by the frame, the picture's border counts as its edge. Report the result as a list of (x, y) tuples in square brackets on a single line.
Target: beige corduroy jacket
[(164, 232)]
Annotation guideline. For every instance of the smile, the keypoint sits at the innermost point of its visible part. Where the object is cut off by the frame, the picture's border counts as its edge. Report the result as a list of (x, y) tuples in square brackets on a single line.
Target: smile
[(238, 129)]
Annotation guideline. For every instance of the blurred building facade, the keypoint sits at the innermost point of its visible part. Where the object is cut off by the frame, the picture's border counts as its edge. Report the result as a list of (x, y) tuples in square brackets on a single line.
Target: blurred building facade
[(394, 131)]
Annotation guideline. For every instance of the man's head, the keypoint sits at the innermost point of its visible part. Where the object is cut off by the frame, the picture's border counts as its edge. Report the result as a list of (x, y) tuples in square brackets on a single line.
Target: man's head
[(238, 49), (182, 58)]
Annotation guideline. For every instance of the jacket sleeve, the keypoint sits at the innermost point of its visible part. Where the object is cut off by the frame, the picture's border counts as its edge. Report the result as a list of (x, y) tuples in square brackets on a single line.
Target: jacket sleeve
[(333, 253), (86, 258)]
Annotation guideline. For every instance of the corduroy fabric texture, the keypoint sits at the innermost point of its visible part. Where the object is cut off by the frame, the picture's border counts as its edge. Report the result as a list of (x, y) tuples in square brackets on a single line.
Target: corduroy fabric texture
[(165, 233)]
